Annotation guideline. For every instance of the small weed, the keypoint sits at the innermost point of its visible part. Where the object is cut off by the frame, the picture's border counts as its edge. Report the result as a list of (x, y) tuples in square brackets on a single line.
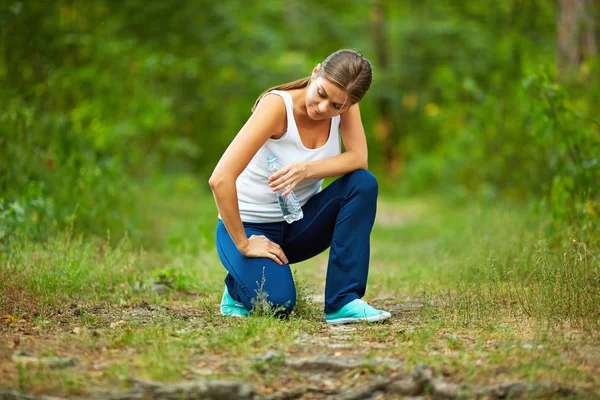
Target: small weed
[(118, 372), (173, 277), (24, 377), (261, 306)]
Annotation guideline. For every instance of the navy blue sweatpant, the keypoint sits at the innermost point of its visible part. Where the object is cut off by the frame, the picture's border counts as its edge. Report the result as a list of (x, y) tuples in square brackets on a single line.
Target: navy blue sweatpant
[(341, 216)]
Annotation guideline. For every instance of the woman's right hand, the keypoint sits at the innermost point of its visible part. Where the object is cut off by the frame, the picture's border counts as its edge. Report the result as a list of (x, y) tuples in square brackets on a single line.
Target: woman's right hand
[(259, 246)]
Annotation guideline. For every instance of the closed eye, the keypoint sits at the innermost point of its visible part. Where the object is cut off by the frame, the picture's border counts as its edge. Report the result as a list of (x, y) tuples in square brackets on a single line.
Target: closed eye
[(324, 95)]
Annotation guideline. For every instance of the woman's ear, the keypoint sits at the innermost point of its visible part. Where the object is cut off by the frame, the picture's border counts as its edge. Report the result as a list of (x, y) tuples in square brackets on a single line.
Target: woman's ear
[(315, 72)]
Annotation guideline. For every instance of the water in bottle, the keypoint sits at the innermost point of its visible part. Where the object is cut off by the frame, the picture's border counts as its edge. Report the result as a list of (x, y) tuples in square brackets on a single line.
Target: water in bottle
[(290, 206)]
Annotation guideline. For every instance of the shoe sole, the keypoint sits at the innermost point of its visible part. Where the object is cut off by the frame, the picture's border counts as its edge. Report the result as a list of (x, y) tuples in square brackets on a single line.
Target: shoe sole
[(233, 315), (375, 318)]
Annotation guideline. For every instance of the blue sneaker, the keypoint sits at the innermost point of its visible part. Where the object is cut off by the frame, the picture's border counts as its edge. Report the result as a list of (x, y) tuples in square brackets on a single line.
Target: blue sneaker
[(356, 311), (232, 308)]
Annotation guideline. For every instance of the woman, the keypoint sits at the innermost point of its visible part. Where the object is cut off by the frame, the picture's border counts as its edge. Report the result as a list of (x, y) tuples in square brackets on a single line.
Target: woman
[(299, 123)]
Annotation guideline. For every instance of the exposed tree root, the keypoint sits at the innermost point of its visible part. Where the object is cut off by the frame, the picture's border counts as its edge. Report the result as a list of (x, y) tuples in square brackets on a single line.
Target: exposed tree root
[(163, 391), (421, 381)]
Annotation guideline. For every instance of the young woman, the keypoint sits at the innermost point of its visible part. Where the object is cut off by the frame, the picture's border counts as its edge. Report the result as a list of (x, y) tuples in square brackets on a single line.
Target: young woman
[(300, 123)]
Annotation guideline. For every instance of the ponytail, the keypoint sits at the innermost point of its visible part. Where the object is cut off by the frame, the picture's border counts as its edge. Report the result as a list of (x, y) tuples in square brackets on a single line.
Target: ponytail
[(300, 83)]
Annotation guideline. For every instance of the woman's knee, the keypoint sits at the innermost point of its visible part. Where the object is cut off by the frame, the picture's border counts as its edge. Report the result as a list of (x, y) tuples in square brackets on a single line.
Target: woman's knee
[(364, 181), (282, 304)]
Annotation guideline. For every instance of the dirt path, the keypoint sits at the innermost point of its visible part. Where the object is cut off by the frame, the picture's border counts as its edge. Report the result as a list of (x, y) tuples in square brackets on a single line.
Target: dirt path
[(337, 362)]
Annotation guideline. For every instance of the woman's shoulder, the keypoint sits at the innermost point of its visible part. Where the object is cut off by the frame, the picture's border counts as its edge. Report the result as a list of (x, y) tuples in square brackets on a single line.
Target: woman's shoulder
[(272, 101), (272, 110)]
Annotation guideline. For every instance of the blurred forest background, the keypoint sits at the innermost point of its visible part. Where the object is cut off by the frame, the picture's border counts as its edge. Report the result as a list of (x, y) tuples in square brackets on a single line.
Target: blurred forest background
[(495, 100)]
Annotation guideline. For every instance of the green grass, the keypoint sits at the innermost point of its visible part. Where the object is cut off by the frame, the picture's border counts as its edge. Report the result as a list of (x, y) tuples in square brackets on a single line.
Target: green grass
[(481, 262), (476, 291)]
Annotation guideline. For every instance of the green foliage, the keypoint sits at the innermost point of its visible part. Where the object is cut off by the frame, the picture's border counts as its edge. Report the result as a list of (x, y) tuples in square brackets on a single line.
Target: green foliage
[(64, 142), (26, 213), (98, 95), (569, 146), (528, 142)]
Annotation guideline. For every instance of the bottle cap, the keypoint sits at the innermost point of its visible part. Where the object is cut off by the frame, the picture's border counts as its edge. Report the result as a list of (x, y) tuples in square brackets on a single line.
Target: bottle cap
[(271, 158)]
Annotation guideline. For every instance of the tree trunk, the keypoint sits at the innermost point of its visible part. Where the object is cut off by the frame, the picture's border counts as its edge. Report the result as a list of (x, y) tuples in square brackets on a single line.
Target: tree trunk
[(576, 31), (384, 107)]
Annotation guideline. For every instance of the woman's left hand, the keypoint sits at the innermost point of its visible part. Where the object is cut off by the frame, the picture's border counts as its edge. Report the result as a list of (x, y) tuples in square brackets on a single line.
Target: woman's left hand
[(288, 177)]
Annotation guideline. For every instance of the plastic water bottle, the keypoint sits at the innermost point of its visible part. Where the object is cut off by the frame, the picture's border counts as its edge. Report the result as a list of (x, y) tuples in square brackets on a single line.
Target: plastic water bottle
[(290, 206)]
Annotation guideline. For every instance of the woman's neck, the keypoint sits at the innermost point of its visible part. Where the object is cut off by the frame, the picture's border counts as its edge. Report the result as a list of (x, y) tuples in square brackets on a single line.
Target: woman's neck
[(299, 100)]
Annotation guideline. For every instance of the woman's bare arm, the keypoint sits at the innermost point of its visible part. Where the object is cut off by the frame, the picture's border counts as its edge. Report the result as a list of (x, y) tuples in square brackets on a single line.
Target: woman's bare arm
[(268, 119)]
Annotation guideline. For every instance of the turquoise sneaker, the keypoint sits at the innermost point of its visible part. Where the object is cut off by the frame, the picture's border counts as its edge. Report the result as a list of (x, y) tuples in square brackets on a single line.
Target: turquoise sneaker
[(356, 311), (232, 308)]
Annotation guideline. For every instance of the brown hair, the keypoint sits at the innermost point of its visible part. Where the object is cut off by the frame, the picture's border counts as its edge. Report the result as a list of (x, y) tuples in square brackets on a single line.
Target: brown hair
[(347, 69)]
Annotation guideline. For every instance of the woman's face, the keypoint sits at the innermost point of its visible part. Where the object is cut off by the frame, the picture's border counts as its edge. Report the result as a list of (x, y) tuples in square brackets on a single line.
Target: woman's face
[(324, 99)]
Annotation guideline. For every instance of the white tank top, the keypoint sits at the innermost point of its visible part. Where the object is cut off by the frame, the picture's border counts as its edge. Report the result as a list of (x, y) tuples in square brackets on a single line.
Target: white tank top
[(256, 200)]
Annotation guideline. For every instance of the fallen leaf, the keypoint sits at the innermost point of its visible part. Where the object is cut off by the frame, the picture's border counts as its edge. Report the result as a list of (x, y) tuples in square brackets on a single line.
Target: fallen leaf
[(8, 319)]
